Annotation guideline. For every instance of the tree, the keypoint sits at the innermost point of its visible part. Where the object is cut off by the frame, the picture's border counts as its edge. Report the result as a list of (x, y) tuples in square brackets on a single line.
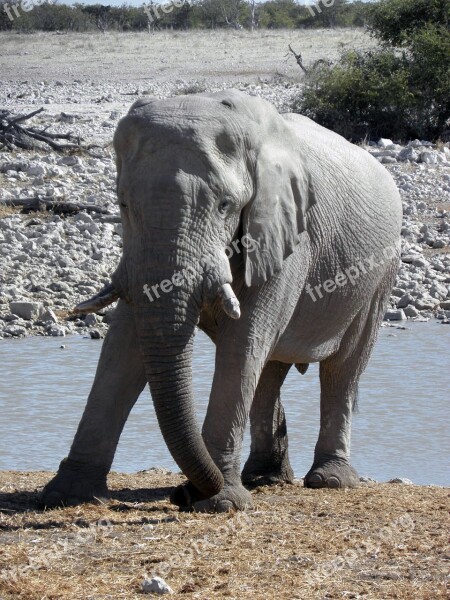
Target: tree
[(395, 21), (100, 13), (398, 91), (278, 14)]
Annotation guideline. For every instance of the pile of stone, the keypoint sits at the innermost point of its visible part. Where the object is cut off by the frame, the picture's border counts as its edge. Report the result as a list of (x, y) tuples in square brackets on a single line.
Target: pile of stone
[(417, 151), (49, 262)]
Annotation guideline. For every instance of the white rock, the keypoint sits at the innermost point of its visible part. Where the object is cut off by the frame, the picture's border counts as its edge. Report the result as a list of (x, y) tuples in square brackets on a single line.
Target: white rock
[(398, 291), (411, 311), (426, 303), (156, 585), (393, 314), (385, 143), (417, 143), (15, 330), (95, 334), (26, 310), (49, 316), (83, 217), (408, 154), (69, 161), (405, 301), (401, 480), (438, 291), (90, 320), (416, 260), (36, 170), (429, 158), (57, 331)]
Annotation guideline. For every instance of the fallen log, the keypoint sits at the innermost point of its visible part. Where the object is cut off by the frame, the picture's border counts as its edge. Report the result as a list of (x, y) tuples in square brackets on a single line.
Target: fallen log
[(14, 135), (58, 206)]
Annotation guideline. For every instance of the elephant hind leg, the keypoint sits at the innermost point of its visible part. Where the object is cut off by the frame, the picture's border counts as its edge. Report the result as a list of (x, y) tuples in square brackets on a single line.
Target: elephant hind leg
[(339, 378), (268, 462)]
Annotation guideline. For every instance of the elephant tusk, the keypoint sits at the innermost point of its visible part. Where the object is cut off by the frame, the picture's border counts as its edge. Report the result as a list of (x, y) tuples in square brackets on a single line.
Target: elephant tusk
[(106, 296), (230, 303)]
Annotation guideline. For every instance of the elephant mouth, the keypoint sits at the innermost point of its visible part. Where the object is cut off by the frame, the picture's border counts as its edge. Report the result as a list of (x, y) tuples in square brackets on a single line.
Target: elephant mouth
[(109, 294)]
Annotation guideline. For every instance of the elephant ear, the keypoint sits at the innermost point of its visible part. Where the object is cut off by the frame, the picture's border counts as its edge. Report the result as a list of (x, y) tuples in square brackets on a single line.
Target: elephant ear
[(276, 215)]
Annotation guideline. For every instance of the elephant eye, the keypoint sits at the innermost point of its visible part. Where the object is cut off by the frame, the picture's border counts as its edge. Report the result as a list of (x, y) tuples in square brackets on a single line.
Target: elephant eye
[(224, 205)]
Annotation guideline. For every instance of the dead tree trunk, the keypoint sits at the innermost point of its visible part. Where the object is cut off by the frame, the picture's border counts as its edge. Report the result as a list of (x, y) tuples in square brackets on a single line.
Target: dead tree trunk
[(58, 206), (14, 135), (299, 59)]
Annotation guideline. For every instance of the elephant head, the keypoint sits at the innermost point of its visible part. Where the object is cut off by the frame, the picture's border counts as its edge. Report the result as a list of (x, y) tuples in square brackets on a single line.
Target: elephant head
[(195, 173)]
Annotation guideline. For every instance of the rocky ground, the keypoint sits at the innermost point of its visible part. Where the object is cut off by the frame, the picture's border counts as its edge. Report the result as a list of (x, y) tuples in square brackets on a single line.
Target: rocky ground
[(376, 542), (49, 262)]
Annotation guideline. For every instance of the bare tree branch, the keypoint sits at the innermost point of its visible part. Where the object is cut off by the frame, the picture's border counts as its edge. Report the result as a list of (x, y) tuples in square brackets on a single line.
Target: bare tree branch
[(299, 59), (12, 134)]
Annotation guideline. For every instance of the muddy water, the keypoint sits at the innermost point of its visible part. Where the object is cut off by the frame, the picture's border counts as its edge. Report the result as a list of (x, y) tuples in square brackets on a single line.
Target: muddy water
[(401, 429)]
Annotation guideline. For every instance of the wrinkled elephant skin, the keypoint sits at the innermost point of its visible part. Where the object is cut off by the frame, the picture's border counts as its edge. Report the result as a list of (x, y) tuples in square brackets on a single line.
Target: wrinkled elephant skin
[(276, 237)]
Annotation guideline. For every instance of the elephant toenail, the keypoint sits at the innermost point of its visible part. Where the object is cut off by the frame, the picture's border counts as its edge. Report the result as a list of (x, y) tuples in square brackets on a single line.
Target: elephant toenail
[(224, 506), (333, 482), (315, 480)]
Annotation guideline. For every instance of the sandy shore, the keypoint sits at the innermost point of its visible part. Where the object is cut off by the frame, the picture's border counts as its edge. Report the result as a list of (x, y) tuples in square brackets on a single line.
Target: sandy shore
[(377, 542)]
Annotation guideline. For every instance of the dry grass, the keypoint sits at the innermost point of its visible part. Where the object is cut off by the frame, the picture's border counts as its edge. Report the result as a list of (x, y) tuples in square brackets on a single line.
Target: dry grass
[(6, 211), (379, 541), (169, 55)]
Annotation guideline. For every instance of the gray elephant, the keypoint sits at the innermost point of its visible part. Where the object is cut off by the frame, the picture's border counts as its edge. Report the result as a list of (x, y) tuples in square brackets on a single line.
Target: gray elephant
[(229, 210)]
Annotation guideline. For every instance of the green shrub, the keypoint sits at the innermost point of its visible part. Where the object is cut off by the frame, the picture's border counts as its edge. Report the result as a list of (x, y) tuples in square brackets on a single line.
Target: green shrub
[(395, 21), (390, 92), (366, 94)]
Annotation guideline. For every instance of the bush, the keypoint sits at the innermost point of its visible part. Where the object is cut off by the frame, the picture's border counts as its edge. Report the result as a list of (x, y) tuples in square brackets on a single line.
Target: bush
[(366, 94), (395, 21), (398, 93)]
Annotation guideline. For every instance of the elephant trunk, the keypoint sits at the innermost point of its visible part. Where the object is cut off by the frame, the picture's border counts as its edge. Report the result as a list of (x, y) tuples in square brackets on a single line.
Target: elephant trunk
[(166, 325), (169, 372)]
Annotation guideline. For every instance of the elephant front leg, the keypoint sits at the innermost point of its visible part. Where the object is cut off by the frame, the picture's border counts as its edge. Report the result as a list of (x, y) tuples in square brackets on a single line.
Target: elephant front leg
[(119, 380), (232, 392), (268, 462)]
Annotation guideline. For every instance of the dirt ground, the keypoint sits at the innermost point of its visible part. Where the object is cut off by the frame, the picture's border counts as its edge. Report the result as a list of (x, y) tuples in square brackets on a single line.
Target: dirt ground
[(377, 542), (212, 55)]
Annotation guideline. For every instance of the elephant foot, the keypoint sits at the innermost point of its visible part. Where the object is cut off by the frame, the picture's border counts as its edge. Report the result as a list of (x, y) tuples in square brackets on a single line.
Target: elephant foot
[(231, 497), (258, 471), (331, 472), (75, 483)]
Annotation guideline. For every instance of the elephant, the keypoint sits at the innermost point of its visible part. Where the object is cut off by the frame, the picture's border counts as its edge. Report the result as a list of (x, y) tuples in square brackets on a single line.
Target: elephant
[(276, 237)]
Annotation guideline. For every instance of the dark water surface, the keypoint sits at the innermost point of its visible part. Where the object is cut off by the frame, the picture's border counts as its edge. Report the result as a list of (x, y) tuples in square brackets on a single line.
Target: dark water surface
[(401, 429)]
